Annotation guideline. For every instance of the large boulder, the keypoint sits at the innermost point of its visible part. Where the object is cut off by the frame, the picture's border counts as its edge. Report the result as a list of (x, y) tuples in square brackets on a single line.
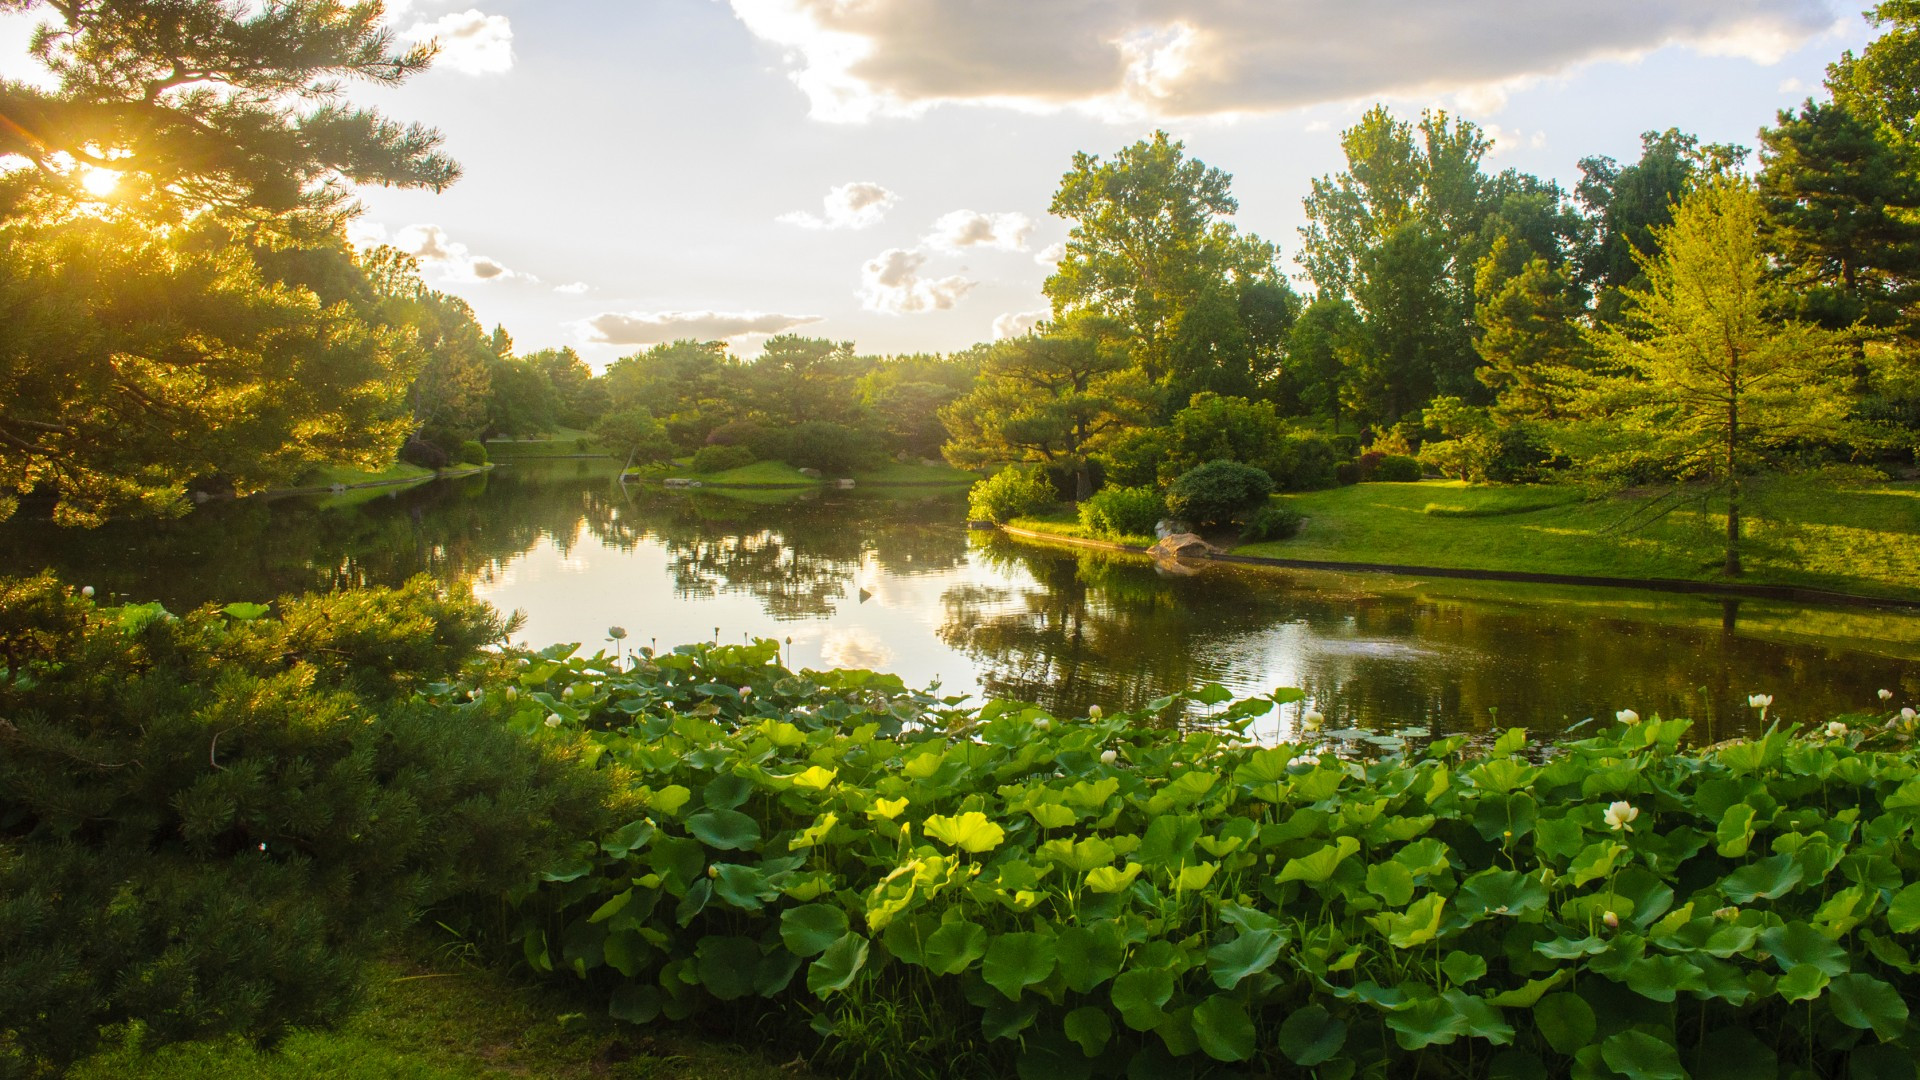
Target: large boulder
[(1182, 545)]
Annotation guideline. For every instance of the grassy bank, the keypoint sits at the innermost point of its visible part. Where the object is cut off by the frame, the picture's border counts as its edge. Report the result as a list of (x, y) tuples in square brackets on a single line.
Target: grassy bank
[(781, 474), (564, 442), (1847, 538), (397, 473), (428, 1020), (1854, 539)]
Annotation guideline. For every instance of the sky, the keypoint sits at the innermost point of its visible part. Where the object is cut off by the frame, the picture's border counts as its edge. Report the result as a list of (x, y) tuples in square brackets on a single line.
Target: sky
[(879, 171)]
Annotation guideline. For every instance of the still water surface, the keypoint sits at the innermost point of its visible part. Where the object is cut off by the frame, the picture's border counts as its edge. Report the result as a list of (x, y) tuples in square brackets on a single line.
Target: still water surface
[(893, 581)]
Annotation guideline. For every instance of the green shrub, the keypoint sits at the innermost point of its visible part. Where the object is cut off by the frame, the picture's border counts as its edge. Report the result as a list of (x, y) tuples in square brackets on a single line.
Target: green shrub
[(1133, 457), (1015, 491), (720, 458), (1117, 512), (472, 452), (834, 449), (1217, 492), (208, 821), (1302, 461), (1274, 521), (1396, 469), (999, 892)]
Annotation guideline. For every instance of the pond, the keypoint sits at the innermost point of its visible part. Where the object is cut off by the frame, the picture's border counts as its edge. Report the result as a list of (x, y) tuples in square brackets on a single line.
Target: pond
[(894, 581)]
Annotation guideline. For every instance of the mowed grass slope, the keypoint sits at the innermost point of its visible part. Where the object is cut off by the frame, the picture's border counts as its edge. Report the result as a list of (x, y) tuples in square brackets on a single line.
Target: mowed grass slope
[(1847, 537), (425, 1021)]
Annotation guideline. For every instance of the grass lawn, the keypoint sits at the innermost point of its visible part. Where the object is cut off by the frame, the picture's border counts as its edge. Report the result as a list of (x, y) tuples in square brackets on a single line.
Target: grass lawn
[(898, 472), (431, 1021), (397, 472), (564, 442), (1066, 523), (760, 473), (1853, 538)]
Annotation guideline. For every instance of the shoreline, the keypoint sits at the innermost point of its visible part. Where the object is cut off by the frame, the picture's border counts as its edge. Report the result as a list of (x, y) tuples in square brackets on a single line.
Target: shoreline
[(1795, 593)]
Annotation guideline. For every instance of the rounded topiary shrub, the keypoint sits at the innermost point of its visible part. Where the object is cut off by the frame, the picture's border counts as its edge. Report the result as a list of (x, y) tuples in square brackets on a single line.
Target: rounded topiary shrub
[(1217, 492), (472, 452), (1396, 469), (713, 459), (1122, 511), (1274, 521), (1014, 491)]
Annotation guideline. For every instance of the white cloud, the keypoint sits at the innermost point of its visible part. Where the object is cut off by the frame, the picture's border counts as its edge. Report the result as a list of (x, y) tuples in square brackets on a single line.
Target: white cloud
[(1166, 58), (437, 252), (470, 41), (1018, 323), (1506, 141), (849, 206), (1050, 256), (1792, 86), (654, 327), (891, 282), (968, 229), (574, 289)]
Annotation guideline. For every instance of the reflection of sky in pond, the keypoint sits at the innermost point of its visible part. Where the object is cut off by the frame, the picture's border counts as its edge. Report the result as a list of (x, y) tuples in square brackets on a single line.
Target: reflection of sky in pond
[(896, 583)]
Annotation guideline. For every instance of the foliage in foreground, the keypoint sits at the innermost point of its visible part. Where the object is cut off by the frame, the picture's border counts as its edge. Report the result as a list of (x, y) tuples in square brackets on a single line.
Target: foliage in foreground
[(940, 891), (207, 821)]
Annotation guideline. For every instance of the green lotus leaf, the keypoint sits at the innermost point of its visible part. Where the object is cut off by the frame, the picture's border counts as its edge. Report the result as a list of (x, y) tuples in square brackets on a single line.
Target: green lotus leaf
[(1767, 879), (1310, 1036), (1462, 968), (1223, 1029), (1566, 1021), (1640, 1056), (971, 831), (809, 929), (635, 1004), (1139, 993), (726, 830), (727, 791), (1500, 892), (1797, 943), (954, 947), (1089, 955), (726, 965), (1017, 961), (1319, 866), (1903, 913), (1247, 954), (1090, 1027), (834, 971), (1391, 882), (1802, 982), (1169, 841), (1862, 1001), (1078, 856), (1108, 879)]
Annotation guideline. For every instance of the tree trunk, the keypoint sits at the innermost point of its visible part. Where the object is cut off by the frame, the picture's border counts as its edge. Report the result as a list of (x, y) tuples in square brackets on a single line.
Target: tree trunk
[(1732, 568), (1082, 481)]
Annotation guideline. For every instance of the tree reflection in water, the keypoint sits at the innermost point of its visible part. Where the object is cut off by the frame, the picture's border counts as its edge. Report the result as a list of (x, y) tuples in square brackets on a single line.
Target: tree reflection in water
[(1060, 627)]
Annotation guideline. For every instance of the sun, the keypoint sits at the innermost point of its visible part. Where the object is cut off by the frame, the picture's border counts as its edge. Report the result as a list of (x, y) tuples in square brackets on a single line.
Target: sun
[(100, 182)]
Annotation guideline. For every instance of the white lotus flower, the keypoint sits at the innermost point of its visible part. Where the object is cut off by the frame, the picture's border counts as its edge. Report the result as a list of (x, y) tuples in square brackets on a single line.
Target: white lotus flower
[(1094, 712), (1621, 816), (567, 694), (1108, 757), (553, 719), (512, 692), (1627, 716), (1886, 695), (1907, 716), (87, 591), (1759, 701), (1612, 920), (1836, 730), (1311, 720), (1042, 723)]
